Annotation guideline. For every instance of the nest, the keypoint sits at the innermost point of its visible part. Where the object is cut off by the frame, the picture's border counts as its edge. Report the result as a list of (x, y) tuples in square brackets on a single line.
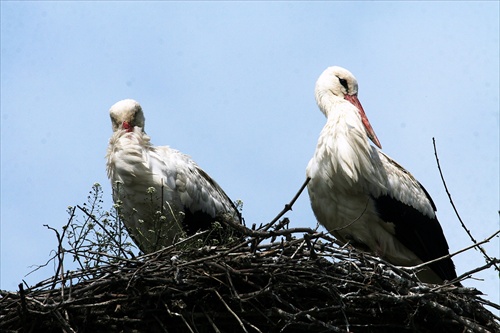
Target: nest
[(274, 280)]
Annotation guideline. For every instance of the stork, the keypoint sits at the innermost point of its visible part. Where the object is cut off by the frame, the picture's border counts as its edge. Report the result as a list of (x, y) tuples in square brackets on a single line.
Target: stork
[(362, 196), (160, 192)]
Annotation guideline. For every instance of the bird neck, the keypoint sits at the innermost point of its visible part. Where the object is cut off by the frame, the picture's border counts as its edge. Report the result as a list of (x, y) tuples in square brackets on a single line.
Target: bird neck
[(344, 139), (128, 147), (345, 122), (327, 101)]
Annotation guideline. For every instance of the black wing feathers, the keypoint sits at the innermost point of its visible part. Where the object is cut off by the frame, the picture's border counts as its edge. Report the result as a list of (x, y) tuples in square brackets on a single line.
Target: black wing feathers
[(419, 233)]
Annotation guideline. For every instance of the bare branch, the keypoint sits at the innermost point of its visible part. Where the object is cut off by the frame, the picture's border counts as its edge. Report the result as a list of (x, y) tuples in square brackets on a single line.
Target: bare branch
[(273, 280), (476, 245), (288, 206), (486, 256)]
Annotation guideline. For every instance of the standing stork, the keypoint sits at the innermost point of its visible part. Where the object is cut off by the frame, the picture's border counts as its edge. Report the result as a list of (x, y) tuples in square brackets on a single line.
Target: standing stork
[(161, 192), (364, 197)]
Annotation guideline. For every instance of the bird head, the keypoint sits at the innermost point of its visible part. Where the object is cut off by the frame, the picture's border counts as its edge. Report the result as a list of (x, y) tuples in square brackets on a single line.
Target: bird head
[(335, 86), (126, 115)]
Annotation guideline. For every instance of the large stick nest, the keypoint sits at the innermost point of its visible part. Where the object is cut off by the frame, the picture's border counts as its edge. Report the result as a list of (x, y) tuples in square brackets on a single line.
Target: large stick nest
[(276, 280)]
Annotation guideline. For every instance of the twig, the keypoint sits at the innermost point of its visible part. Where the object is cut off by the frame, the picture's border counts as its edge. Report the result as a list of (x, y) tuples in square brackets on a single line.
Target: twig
[(175, 245), (487, 257), (60, 256), (63, 322), (251, 325), (24, 308), (305, 282), (452, 314), (458, 252), (59, 240), (175, 314), (231, 311), (92, 217), (288, 206), (475, 270), (353, 221), (216, 329)]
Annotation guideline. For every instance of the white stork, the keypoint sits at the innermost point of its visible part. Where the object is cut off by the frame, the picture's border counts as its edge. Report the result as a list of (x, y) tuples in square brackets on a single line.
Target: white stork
[(364, 197), (152, 182)]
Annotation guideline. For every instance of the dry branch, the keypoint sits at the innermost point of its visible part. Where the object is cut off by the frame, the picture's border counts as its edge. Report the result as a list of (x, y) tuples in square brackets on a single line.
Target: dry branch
[(274, 279), (302, 282), (469, 233)]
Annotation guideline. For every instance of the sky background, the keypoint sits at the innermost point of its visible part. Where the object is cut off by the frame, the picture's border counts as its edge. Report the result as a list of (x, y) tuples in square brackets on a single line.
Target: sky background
[(232, 85)]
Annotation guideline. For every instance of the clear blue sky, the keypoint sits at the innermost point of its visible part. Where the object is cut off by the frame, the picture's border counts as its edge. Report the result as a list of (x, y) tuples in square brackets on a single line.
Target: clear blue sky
[(231, 84)]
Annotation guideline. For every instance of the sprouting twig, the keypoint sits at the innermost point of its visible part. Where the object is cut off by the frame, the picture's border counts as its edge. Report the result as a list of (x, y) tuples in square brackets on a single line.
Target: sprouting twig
[(305, 282), (280, 286), (92, 217), (487, 257)]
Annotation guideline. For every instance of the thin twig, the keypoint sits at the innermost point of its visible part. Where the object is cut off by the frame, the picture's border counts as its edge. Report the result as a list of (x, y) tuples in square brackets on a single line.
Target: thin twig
[(63, 322), (451, 255), (231, 311), (475, 270), (59, 244), (487, 257), (92, 217), (304, 282), (289, 205)]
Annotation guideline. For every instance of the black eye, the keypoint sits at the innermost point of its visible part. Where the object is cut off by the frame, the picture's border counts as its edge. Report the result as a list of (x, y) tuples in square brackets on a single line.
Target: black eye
[(343, 82)]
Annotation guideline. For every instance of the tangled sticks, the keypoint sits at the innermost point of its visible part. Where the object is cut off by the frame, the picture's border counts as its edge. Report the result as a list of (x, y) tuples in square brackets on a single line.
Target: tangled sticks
[(275, 280)]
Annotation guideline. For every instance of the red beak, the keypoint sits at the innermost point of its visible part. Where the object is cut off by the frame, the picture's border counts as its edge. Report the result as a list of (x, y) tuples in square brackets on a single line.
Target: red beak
[(126, 126), (369, 130)]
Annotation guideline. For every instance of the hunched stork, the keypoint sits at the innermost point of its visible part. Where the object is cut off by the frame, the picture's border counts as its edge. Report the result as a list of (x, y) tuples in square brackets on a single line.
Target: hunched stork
[(161, 191), (361, 195)]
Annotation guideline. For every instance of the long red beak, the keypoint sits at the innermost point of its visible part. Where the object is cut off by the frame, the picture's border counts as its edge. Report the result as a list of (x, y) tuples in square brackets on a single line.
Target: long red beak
[(369, 130)]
